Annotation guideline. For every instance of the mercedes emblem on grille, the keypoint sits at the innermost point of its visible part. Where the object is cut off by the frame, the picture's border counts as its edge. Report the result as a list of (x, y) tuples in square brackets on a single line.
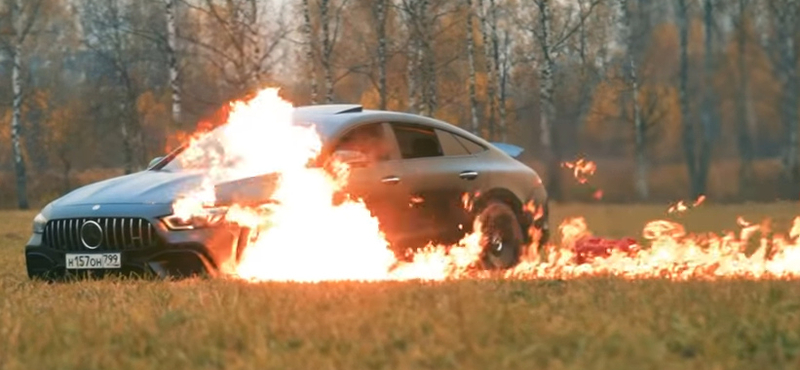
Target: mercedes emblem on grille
[(91, 234)]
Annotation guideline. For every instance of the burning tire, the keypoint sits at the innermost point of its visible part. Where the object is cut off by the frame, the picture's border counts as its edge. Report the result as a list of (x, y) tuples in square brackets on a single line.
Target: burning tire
[(502, 239)]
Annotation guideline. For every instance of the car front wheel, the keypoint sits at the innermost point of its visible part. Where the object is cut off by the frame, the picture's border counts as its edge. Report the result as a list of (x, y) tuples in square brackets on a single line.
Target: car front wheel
[(502, 238)]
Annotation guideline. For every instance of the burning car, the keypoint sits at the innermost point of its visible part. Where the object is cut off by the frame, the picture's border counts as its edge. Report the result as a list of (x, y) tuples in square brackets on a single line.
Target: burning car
[(426, 181)]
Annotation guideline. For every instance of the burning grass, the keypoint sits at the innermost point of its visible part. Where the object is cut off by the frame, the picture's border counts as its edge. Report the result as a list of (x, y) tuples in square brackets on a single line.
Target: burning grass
[(589, 323), (301, 196)]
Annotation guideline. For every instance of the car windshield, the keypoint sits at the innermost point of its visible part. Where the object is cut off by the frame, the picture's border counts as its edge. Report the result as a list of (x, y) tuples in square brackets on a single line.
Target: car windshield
[(210, 150)]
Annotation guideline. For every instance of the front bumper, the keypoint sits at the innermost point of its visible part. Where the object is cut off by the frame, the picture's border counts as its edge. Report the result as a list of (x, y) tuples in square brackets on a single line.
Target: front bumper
[(180, 254)]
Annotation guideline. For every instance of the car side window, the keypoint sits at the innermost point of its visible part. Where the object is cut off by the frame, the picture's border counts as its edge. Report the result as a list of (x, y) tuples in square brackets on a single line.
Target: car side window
[(417, 141), (368, 139), (471, 146), (450, 145)]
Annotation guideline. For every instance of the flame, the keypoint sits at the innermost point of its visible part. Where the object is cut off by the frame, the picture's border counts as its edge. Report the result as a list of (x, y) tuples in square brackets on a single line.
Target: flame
[(682, 207), (302, 235), (582, 169), (671, 253)]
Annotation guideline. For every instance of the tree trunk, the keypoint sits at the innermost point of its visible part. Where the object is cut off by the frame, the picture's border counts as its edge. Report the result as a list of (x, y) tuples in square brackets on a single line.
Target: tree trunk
[(66, 168), (488, 21), (473, 99), (790, 86), (311, 39), (547, 106), (709, 117), (642, 188), (327, 49), (412, 57), (495, 75), (744, 138), (412, 72), (429, 93), (383, 90), (127, 145), (688, 134), (130, 129), (503, 83), (257, 50), (172, 59), (16, 127)]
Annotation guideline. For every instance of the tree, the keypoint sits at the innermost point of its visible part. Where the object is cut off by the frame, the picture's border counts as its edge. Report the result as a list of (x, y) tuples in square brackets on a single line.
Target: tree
[(411, 15), (328, 43), (786, 15), (108, 31), (550, 41), (172, 59), (21, 16), (311, 39), (744, 136), (380, 16), (633, 80), (709, 109), (503, 71), (473, 100), (488, 24), (240, 41), (683, 77)]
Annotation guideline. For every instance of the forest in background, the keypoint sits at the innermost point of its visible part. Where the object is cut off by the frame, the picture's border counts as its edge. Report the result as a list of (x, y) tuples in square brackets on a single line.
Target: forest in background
[(671, 99)]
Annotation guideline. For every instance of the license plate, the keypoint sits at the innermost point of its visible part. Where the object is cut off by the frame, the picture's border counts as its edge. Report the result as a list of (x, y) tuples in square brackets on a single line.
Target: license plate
[(94, 261)]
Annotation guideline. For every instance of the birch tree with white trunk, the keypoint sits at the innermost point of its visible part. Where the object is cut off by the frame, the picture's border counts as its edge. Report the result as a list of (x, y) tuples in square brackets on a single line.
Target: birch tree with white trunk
[(503, 66), (488, 24), (172, 60), (473, 99), (430, 98), (380, 16), (241, 39), (327, 47), (412, 15), (550, 40), (21, 16), (311, 47)]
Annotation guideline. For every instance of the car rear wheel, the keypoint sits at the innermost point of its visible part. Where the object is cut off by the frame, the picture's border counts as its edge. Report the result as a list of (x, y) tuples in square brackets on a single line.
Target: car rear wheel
[(502, 238)]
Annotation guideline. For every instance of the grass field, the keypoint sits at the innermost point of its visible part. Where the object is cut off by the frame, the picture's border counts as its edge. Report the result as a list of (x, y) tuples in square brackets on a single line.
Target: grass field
[(580, 324)]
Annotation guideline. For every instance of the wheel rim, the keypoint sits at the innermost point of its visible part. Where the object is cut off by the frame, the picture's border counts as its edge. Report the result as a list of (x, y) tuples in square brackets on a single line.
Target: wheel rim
[(496, 244)]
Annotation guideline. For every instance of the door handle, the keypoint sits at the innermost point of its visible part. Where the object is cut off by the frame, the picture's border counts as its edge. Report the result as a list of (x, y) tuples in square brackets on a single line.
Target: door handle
[(468, 175), (390, 180)]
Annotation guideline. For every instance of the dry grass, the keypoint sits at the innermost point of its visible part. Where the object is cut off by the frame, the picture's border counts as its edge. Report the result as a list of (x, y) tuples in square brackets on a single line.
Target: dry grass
[(583, 324)]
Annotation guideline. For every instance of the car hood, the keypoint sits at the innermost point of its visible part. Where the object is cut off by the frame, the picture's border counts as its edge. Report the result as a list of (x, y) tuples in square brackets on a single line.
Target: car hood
[(163, 187), (146, 187)]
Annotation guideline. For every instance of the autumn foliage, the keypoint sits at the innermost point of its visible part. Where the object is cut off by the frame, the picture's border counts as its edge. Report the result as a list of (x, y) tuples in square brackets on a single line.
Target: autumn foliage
[(80, 89)]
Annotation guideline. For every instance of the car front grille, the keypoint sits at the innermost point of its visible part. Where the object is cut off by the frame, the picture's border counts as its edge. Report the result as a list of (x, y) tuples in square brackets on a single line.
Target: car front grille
[(118, 233)]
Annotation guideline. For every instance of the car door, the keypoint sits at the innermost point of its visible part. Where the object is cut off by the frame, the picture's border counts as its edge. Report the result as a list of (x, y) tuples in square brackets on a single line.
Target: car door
[(376, 182), (437, 170)]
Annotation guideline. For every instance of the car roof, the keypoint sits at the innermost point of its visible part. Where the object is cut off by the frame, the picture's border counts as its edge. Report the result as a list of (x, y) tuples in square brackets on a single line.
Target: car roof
[(333, 119)]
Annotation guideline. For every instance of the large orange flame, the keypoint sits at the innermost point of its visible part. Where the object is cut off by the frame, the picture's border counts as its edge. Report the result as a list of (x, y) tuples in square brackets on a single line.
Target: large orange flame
[(304, 236)]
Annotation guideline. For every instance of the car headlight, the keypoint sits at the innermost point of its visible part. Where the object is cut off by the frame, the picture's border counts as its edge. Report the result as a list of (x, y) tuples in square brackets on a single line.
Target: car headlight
[(208, 217), (39, 222)]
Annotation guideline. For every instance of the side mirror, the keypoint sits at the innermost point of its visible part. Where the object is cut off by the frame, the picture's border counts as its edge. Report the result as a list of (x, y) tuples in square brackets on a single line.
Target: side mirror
[(154, 162), (350, 157)]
